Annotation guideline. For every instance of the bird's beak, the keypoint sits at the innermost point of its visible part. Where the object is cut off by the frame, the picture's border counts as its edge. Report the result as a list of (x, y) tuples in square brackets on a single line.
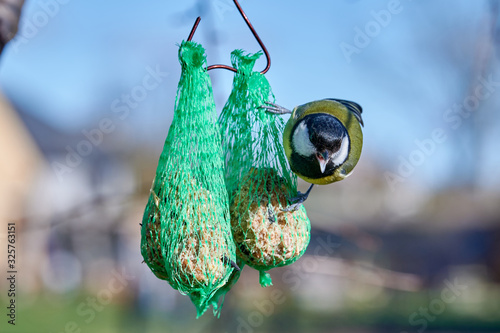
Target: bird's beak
[(322, 160)]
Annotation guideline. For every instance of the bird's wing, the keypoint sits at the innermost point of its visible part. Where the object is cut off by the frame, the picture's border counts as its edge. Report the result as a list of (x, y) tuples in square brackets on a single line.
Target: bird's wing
[(355, 108)]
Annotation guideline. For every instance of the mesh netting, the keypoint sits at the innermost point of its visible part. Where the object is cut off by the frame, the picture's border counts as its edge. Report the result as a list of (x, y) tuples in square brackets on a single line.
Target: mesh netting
[(258, 178), (186, 237)]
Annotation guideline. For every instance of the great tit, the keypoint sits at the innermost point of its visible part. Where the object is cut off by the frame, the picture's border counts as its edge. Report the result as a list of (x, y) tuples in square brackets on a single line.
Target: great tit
[(322, 141)]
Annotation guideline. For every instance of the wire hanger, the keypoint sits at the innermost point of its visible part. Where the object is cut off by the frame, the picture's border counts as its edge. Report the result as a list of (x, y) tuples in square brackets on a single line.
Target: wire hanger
[(245, 17)]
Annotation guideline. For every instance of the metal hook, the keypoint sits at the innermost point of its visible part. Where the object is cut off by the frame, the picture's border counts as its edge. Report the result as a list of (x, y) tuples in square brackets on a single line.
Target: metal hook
[(195, 26), (250, 26)]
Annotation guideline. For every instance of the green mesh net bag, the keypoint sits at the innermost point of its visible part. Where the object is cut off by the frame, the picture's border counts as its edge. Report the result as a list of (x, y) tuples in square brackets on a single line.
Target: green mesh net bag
[(258, 178), (186, 236)]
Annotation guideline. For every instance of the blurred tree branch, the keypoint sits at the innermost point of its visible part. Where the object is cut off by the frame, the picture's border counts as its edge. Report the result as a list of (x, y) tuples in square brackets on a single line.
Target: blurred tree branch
[(10, 12), (364, 273)]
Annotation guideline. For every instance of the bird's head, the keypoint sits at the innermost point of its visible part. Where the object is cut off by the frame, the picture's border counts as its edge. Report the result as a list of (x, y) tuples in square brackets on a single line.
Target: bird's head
[(321, 138)]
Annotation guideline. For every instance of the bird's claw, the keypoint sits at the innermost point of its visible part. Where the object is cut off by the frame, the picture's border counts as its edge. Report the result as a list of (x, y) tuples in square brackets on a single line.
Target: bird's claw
[(232, 263), (275, 108), (296, 202), (292, 208)]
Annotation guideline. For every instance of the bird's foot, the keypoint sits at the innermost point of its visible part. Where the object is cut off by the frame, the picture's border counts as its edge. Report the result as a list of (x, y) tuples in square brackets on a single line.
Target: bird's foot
[(234, 265), (298, 200), (275, 108)]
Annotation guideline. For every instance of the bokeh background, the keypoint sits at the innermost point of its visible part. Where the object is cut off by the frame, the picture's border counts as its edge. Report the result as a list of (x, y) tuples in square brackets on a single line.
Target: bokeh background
[(409, 243)]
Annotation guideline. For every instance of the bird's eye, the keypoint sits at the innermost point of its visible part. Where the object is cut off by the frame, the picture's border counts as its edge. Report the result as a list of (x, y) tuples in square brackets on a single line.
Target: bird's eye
[(323, 156)]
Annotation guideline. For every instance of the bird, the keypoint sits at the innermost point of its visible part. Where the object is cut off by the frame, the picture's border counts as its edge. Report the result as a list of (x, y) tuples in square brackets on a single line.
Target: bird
[(322, 141)]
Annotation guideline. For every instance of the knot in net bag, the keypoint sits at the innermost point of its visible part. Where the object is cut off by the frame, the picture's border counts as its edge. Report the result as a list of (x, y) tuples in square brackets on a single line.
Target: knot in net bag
[(186, 238), (258, 178)]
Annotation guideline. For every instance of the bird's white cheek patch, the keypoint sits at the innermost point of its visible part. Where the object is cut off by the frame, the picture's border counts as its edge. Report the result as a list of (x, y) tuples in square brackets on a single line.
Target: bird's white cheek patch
[(341, 155), (301, 142)]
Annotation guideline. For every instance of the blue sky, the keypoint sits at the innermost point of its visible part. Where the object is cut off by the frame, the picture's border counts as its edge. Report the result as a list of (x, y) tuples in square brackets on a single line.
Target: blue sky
[(417, 64)]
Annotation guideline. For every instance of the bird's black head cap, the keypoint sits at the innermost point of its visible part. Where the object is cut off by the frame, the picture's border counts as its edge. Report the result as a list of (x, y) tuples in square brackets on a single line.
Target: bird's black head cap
[(325, 131)]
